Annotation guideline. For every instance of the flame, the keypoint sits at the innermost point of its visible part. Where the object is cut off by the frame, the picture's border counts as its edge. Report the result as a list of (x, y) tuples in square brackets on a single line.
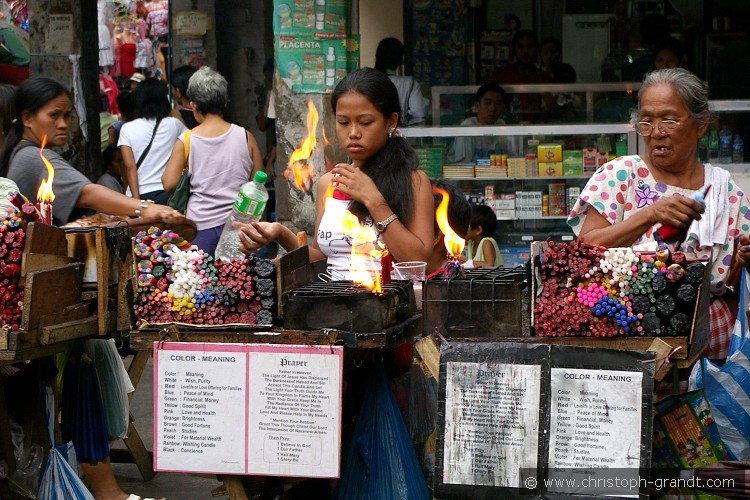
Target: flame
[(326, 142), (453, 242), (298, 167), (362, 265), (45, 194)]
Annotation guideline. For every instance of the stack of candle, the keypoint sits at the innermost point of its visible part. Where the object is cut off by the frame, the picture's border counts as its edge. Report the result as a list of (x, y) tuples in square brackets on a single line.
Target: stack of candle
[(12, 239), (180, 283), (591, 291)]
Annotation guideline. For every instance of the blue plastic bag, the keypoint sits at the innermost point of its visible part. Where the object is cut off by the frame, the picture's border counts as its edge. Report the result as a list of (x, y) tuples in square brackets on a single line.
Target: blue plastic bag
[(381, 462), (727, 387), (60, 480)]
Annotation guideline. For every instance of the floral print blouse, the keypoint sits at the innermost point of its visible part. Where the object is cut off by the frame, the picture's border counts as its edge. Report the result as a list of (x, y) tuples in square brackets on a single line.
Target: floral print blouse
[(624, 185)]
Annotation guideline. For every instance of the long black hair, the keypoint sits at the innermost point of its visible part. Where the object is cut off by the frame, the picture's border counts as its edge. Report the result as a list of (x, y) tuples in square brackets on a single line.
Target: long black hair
[(7, 107), (392, 167), (152, 99), (32, 95)]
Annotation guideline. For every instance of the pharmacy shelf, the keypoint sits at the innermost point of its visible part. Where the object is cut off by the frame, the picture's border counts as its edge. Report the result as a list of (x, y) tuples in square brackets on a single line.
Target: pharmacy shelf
[(510, 179), (546, 217)]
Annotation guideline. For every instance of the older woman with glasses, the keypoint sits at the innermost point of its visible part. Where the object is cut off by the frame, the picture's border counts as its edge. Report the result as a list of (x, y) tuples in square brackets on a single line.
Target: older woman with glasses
[(629, 198)]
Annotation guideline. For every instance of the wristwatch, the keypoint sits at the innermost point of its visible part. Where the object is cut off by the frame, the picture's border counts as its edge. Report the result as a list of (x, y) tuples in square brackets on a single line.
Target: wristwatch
[(380, 226)]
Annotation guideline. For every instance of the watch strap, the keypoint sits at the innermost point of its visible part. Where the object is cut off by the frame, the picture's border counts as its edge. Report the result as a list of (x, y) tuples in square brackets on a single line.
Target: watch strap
[(380, 226)]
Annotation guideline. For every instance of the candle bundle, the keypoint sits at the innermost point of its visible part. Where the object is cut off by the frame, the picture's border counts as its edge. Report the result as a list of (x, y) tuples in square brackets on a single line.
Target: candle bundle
[(12, 239), (177, 282), (591, 291)]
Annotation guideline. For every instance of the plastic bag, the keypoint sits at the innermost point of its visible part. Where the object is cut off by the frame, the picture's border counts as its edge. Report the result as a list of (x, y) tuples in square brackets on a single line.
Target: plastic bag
[(114, 383), (60, 480), (727, 387), (381, 462)]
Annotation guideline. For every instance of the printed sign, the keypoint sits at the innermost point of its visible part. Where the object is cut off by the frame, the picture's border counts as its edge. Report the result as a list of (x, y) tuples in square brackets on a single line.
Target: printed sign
[(324, 18), (315, 65), (59, 34), (247, 409), (190, 23)]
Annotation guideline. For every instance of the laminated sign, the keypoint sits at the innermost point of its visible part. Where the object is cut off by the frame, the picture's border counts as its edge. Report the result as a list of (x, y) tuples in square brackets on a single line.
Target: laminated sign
[(247, 409), (325, 18), (537, 420)]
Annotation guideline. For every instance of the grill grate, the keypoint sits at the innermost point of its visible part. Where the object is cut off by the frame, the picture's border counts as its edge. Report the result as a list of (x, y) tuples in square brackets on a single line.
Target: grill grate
[(485, 302), (345, 306)]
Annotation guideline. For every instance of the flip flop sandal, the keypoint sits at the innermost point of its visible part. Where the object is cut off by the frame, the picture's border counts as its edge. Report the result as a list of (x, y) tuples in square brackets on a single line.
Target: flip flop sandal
[(136, 497)]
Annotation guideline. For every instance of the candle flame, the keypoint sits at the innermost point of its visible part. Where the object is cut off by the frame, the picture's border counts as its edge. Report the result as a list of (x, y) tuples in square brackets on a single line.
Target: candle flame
[(45, 194), (453, 242), (299, 169), (362, 264)]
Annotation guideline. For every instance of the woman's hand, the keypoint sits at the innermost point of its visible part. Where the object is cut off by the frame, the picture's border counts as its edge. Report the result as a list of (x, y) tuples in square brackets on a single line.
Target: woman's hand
[(743, 251), (356, 184), (163, 213), (675, 211), (256, 234)]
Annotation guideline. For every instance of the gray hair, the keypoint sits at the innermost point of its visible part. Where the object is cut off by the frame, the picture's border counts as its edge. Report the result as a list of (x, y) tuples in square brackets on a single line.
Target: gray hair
[(208, 90), (690, 88)]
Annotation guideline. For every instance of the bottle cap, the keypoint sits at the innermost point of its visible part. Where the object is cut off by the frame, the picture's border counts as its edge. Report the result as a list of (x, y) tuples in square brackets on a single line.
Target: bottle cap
[(260, 177)]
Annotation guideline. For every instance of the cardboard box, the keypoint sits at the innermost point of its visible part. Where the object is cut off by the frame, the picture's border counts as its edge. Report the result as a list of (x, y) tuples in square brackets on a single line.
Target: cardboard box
[(572, 163), (550, 169), (547, 153), (573, 194)]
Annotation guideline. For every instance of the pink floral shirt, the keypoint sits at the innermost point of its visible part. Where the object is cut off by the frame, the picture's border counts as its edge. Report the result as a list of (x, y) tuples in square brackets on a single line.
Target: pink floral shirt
[(624, 185)]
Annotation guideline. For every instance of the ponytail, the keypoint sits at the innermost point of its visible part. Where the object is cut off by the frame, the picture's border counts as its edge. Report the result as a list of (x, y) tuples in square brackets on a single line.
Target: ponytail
[(391, 170)]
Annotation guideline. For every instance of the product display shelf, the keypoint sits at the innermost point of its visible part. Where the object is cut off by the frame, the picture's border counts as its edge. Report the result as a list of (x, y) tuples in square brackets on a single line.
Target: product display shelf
[(523, 179)]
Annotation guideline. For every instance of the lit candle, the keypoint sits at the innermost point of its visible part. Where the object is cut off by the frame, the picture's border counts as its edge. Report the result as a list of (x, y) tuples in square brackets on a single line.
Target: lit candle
[(44, 195)]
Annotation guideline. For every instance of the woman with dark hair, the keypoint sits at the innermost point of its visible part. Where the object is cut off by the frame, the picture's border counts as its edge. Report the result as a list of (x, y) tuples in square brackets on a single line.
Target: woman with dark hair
[(147, 142), (382, 186), (388, 58), (215, 149), (43, 107)]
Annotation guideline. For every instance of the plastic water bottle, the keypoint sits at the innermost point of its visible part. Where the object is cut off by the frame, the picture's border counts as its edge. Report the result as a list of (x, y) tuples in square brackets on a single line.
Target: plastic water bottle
[(248, 207), (738, 150), (725, 145)]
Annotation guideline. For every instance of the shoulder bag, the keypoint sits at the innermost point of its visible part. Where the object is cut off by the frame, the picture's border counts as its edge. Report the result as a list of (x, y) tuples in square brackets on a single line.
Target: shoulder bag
[(179, 198)]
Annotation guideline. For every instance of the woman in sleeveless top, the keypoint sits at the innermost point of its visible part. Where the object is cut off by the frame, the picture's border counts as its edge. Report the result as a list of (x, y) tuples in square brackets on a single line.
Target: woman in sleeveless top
[(382, 186), (220, 158)]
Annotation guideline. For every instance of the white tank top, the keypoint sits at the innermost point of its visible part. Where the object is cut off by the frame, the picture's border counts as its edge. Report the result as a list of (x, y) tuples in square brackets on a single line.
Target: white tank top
[(335, 245)]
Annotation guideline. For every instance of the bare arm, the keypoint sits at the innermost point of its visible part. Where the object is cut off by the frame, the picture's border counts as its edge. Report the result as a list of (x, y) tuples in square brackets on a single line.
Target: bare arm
[(258, 234), (130, 171), (676, 211), (412, 241), (104, 200), (489, 255), (254, 150), (175, 166)]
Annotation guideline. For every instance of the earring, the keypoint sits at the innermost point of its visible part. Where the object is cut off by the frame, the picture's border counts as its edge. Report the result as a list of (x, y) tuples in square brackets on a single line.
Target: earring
[(390, 133)]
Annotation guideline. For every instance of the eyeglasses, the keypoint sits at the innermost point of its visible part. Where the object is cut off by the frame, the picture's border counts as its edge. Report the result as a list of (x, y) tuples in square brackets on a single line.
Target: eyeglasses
[(646, 128)]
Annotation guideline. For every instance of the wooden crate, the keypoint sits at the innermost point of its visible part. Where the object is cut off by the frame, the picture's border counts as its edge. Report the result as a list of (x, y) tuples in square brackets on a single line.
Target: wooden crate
[(53, 310)]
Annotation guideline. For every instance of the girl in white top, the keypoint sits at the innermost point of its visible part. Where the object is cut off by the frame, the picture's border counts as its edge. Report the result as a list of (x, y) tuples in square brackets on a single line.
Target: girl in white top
[(152, 106), (382, 186), (481, 247)]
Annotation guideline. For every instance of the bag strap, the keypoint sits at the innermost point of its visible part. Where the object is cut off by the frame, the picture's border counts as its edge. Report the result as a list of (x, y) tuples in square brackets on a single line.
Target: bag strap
[(148, 148), (186, 146)]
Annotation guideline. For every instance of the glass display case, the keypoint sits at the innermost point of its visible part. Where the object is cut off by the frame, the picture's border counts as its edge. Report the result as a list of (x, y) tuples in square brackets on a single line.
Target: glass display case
[(529, 174)]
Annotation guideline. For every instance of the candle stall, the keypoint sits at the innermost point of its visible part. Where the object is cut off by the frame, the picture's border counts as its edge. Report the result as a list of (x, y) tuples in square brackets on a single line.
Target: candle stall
[(307, 313)]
